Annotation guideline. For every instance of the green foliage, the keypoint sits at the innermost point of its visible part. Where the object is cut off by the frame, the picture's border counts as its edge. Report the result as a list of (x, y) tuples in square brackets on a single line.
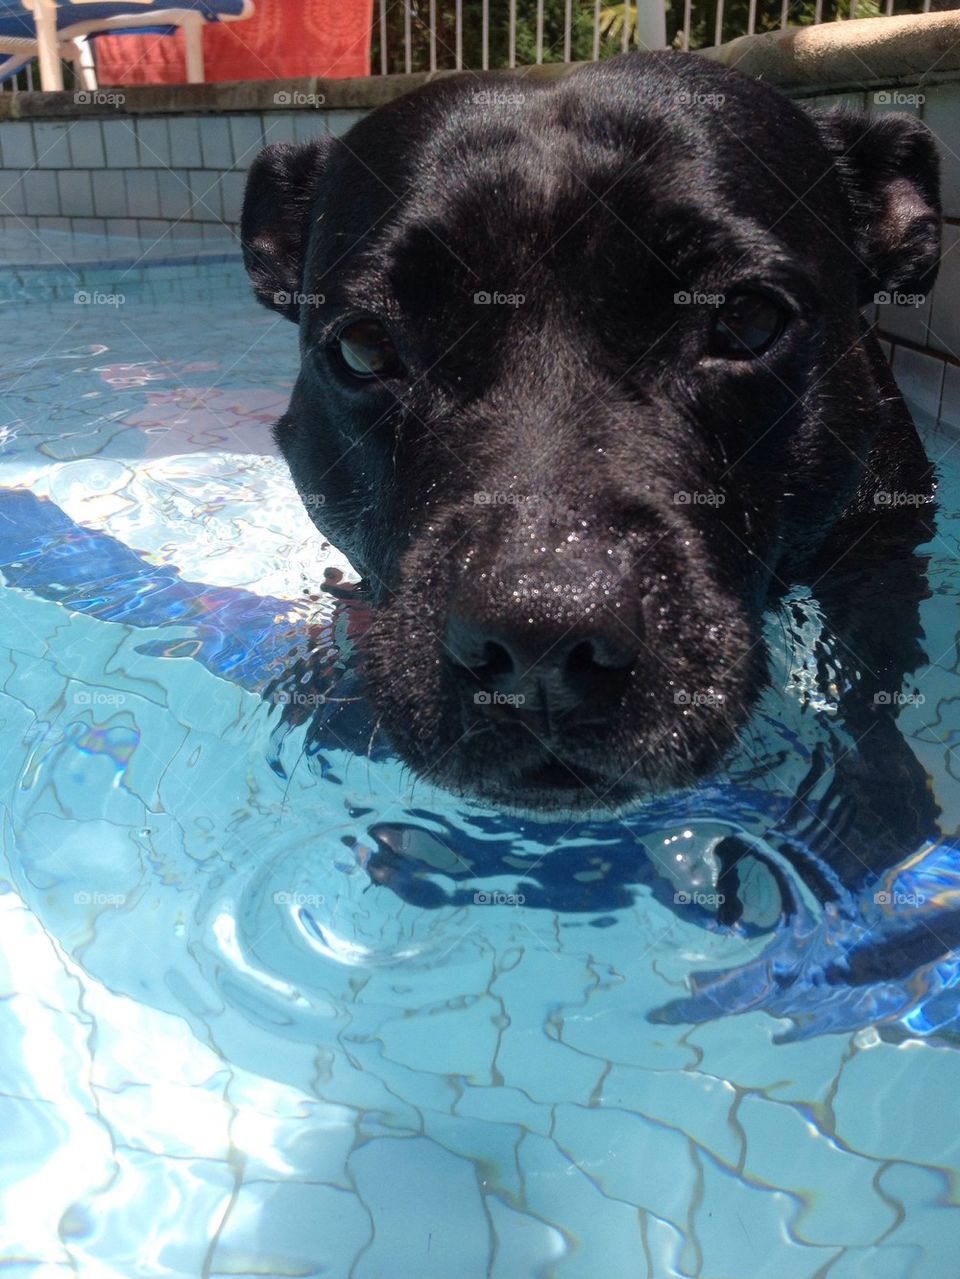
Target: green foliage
[(768, 17)]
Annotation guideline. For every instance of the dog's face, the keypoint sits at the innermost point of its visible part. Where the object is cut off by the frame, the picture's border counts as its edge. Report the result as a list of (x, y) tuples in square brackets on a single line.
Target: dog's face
[(582, 385)]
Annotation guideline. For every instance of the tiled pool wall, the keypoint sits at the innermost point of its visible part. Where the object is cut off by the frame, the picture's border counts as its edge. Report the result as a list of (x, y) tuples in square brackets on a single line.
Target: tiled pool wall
[(198, 278), (180, 175), (172, 176)]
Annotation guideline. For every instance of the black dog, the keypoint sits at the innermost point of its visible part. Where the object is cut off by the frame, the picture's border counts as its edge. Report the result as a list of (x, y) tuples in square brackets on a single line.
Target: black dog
[(584, 387)]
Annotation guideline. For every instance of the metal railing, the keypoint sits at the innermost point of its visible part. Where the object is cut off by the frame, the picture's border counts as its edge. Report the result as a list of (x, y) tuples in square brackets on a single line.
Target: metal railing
[(25, 80), (424, 35), (427, 35)]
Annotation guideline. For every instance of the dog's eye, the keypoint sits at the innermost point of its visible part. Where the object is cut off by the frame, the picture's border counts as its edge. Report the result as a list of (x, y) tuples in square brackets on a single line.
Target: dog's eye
[(746, 326), (365, 348)]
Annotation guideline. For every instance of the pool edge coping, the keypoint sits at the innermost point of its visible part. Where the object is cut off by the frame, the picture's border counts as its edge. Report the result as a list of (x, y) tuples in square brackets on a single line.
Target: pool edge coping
[(834, 56)]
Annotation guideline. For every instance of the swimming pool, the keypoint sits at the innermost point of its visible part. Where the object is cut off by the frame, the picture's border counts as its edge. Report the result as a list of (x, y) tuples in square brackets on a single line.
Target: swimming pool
[(271, 1007)]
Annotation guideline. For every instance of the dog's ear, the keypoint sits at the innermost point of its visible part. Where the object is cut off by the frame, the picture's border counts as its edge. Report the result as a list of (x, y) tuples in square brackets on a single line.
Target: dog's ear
[(281, 188), (890, 170)]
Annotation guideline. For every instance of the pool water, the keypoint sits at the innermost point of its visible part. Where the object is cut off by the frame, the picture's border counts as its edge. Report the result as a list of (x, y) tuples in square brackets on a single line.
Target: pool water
[(271, 1006)]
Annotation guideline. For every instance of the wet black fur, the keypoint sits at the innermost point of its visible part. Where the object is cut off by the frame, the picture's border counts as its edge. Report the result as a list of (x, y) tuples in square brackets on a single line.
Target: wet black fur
[(598, 197)]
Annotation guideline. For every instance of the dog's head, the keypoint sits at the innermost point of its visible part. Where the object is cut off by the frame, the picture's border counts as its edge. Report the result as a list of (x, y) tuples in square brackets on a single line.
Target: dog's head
[(582, 382)]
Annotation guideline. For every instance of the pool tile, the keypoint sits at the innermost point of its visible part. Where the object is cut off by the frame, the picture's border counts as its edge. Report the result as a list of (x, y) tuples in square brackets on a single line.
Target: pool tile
[(815, 1160), (920, 378), (185, 142), (501, 1104), (525, 1246), (154, 141), (143, 200), (278, 127), (13, 197), (395, 1178), (173, 189), (17, 148), (205, 199), (940, 113), (906, 320), (231, 189), (109, 194), (215, 149), (340, 122), (742, 1227), (945, 317), (950, 405), (563, 1191), (76, 193), (86, 145), (883, 1117), (246, 136), (187, 230), (120, 144), (291, 1229), (40, 192), (308, 125), (89, 226), (157, 235), (53, 148)]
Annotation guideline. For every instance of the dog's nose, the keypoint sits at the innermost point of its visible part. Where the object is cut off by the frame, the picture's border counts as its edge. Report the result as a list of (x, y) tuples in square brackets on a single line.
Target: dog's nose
[(521, 665)]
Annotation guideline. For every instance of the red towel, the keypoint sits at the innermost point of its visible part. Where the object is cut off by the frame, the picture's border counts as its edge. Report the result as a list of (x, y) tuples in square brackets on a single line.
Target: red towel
[(285, 39)]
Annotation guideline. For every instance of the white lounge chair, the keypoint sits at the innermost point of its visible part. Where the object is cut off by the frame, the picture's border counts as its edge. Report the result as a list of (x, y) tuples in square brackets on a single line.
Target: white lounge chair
[(48, 31)]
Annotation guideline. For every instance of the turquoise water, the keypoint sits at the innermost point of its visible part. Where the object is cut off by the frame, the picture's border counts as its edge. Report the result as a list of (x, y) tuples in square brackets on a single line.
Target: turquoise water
[(269, 1006)]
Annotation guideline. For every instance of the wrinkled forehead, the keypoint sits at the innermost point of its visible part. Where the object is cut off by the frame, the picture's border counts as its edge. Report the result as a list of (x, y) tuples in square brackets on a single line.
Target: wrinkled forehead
[(553, 190)]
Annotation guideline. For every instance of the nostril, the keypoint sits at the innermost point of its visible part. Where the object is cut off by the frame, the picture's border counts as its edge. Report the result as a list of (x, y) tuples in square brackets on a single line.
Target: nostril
[(598, 655), (580, 659), (497, 664), (545, 666), (475, 651)]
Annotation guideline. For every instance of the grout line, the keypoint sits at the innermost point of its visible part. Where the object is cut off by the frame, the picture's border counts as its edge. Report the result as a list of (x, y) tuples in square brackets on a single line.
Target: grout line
[(943, 356)]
